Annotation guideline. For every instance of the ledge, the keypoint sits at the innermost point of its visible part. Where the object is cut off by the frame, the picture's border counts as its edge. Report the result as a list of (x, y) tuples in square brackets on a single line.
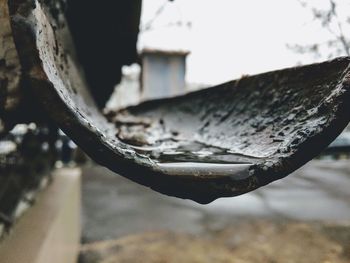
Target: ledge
[(50, 230)]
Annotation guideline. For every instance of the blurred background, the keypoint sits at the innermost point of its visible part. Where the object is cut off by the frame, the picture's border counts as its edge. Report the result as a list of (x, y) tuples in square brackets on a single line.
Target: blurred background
[(200, 43), (183, 46)]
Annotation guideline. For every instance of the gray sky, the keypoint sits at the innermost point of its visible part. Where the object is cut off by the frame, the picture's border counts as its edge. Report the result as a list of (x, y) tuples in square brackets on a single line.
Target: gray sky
[(231, 38)]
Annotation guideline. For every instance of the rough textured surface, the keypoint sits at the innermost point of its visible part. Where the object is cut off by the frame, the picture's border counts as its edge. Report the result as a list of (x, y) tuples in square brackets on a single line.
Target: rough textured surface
[(257, 129), (270, 124), (99, 55), (10, 70)]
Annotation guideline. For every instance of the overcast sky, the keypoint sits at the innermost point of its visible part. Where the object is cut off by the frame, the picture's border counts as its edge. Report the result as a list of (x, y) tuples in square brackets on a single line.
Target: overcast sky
[(230, 38)]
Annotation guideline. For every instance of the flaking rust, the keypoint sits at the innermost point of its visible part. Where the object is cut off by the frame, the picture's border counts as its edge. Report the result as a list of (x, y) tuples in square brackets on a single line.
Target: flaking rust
[(219, 142), (261, 127)]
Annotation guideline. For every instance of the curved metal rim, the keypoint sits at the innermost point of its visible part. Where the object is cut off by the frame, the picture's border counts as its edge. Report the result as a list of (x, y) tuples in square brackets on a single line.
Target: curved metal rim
[(143, 171)]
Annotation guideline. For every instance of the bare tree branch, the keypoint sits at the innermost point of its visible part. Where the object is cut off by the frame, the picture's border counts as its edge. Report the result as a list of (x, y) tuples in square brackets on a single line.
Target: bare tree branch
[(328, 18)]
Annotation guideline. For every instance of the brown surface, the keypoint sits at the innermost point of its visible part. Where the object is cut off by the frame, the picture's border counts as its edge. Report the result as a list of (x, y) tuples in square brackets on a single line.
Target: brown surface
[(49, 232), (10, 70), (262, 242)]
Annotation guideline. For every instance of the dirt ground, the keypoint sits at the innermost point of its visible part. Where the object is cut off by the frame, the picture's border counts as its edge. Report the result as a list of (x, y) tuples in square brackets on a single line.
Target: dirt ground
[(263, 242)]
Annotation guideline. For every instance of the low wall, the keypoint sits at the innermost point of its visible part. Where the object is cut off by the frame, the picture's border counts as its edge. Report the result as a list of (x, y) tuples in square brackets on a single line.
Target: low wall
[(50, 230)]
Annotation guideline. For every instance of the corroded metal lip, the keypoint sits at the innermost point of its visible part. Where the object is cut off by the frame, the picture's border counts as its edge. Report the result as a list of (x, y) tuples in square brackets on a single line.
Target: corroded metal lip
[(259, 128), (206, 170)]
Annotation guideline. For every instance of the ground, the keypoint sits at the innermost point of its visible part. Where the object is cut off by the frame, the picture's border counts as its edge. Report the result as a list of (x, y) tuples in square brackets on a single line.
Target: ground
[(302, 218)]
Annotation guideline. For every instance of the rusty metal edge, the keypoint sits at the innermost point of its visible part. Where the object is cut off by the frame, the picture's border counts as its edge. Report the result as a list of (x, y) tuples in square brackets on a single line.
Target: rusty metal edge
[(204, 190)]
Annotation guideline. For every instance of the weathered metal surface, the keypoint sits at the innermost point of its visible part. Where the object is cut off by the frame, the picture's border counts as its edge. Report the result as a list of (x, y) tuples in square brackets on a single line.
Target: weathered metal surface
[(246, 133), (10, 70), (223, 141), (17, 104), (105, 35)]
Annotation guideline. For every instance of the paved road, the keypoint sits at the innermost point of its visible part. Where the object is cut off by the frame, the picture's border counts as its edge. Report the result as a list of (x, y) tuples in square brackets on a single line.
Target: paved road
[(114, 207)]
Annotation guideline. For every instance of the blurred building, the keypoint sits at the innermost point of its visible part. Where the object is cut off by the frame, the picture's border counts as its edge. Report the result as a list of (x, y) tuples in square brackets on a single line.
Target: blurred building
[(164, 45), (163, 48), (163, 73)]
